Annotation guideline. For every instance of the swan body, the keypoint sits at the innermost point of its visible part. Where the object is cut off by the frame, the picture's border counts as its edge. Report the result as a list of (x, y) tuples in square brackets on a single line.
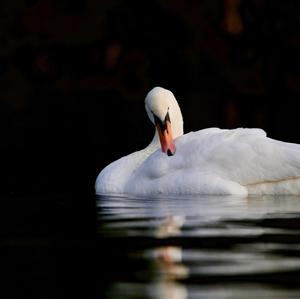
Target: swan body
[(210, 161)]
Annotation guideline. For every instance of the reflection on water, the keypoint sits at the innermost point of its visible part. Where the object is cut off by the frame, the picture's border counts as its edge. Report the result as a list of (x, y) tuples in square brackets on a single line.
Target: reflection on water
[(201, 247)]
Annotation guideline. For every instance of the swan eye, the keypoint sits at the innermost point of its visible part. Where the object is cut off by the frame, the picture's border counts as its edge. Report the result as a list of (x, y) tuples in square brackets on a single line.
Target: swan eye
[(167, 117), (158, 122), (162, 124)]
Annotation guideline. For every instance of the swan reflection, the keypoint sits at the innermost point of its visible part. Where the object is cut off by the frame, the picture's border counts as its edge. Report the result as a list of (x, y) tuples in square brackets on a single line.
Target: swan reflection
[(167, 260), (170, 226), (186, 247)]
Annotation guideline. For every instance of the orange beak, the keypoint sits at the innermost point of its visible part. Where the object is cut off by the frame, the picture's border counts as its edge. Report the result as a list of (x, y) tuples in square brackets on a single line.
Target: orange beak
[(166, 139)]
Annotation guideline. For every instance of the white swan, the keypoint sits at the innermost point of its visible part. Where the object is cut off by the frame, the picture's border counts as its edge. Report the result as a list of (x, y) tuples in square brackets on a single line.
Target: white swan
[(209, 161)]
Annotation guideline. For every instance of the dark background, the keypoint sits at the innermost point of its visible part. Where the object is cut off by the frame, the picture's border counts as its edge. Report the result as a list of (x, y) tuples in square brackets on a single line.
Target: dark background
[(73, 78), (74, 74)]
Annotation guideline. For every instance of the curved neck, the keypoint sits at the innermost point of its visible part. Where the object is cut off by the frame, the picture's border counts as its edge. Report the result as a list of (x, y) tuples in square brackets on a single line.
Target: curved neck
[(176, 120), (155, 143), (177, 126)]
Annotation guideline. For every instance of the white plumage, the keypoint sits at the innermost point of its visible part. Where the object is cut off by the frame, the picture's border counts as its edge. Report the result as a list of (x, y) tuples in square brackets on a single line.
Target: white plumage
[(209, 161)]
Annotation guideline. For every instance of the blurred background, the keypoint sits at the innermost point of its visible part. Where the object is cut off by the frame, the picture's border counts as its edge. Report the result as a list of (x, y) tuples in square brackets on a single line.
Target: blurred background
[(73, 78), (74, 75)]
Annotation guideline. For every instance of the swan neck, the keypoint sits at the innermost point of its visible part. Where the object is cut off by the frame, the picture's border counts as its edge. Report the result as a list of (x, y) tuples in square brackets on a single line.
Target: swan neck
[(155, 143), (176, 121)]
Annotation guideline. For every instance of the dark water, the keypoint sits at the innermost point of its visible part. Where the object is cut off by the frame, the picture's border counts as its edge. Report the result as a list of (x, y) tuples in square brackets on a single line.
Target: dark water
[(202, 247), (116, 247)]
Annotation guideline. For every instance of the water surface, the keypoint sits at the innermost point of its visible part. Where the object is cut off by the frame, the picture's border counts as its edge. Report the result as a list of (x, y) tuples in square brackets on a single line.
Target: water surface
[(200, 247), (80, 246)]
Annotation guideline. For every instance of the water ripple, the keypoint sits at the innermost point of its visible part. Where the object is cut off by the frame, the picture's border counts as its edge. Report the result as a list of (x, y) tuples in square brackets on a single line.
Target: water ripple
[(202, 247)]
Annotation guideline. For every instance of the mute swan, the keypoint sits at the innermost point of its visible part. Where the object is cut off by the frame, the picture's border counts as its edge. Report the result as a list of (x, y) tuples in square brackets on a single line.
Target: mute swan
[(209, 161)]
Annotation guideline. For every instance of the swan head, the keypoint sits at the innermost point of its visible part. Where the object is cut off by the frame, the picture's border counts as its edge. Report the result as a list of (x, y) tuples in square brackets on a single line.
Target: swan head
[(164, 112)]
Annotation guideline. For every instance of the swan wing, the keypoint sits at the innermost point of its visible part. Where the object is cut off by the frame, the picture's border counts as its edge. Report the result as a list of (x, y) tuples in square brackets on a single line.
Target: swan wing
[(248, 157)]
